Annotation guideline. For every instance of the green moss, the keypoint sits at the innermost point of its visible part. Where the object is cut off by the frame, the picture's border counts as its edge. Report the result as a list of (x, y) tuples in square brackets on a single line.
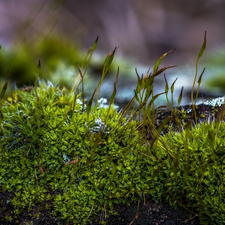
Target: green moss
[(108, 169), (183, 114), (77, 160), (50, 142)]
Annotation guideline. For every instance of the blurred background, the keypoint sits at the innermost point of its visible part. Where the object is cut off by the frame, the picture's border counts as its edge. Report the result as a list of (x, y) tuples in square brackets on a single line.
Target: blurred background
[(60, 32)]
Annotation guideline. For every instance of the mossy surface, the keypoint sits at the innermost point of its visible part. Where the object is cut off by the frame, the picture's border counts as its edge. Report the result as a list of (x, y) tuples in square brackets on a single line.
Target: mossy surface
[(48, 146), (55, 148), (78, 162)]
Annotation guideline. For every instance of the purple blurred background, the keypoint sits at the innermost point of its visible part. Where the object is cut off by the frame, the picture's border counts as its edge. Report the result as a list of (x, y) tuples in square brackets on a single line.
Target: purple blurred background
[(143, 29)]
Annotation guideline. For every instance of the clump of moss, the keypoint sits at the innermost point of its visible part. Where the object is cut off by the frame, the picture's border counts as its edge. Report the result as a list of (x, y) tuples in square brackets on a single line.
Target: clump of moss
[(52, 145), (79, 160)]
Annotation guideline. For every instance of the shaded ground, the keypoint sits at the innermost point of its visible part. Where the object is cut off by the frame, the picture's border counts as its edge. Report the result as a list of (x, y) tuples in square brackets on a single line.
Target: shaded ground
[(151, 214), (148, 214)]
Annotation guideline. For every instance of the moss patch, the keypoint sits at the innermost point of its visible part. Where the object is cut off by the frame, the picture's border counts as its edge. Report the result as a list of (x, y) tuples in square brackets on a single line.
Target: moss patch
[(50, 154), (62, 155)]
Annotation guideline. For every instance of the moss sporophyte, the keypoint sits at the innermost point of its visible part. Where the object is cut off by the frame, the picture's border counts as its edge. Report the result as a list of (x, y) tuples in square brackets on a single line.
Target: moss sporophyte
[(60, 153)]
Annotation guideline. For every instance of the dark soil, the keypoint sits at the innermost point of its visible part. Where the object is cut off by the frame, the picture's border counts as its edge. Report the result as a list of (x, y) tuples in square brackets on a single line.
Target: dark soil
[(148, 214), (166, 121), (151, 214)]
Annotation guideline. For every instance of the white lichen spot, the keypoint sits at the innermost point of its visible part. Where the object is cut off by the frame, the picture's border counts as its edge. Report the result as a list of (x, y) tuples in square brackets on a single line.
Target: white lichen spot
[(216, 101)]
